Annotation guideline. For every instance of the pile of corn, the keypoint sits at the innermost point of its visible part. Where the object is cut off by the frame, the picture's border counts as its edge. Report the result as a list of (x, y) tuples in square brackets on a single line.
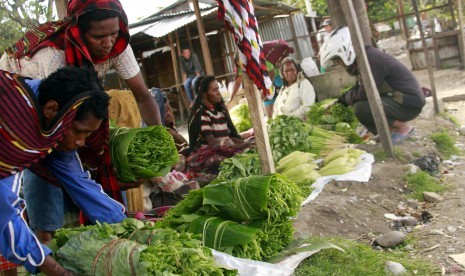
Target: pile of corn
[(298, 166), (341, 161)]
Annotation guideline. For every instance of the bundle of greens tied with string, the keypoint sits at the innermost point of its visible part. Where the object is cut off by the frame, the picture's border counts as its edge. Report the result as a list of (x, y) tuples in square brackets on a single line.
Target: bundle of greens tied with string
[(330, 115), (133, 247), (142, 153), (289, 133), (248, 217)]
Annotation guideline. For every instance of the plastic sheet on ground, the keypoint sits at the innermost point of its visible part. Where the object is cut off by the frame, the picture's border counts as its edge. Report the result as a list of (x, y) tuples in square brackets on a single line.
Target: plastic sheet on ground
[(248, 267), (361, 173)]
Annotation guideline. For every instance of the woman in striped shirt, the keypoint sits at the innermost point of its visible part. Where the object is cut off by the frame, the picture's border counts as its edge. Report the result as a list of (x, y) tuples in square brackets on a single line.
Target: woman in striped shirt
[(212, 135)]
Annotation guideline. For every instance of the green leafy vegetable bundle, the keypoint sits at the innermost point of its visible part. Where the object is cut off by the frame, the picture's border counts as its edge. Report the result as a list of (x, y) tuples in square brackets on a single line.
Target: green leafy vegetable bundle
[(240, 165), (145, 251), (142, 152), (243, 217), (240, 116), (335, 117), (288, 134)]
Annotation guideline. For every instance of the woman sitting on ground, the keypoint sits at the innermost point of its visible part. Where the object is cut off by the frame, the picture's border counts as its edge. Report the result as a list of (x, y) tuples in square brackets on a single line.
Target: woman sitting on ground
[(212, 135), (297, 93)]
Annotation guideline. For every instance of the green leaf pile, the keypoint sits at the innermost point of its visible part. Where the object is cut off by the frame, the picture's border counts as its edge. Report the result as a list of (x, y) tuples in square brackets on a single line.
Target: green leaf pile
[(240, 116), (142, 152)]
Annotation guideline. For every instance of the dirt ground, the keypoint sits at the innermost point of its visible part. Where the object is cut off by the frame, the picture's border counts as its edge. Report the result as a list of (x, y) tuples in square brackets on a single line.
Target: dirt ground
[(357, 210)]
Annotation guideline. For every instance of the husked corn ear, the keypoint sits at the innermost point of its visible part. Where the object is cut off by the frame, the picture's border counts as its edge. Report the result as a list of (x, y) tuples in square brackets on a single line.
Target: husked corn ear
[(301, 172), (335, 170), (355, 153), (294, 159), (337, 153)]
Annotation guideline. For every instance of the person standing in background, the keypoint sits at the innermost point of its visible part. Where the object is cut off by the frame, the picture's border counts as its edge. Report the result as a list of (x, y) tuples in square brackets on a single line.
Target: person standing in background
[(94, 34), (191, 69)]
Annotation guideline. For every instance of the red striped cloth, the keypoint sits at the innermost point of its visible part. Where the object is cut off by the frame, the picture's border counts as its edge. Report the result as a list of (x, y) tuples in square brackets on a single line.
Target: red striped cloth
[(239, 18), (66, 35)]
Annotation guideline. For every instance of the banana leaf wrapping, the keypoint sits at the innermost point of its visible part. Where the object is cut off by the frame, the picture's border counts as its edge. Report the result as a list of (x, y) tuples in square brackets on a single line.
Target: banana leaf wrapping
[(146, 252), (142, 152), (258, 240), (257, 197), (247, 217)]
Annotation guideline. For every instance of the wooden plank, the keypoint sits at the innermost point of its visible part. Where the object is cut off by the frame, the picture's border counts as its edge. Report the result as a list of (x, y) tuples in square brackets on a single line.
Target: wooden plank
[(203, 39), (374, 98), (259, 126), (436, 52), (427, 58)]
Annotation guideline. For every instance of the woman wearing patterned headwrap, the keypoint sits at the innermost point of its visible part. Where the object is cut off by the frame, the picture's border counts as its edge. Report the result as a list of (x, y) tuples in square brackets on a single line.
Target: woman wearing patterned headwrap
[(94, 34)]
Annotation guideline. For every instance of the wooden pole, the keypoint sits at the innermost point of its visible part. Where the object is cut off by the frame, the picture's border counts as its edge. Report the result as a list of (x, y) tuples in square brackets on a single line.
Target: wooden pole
[(374, 99), (177, 79), (294, 37), (427, 58), (462, 33), (182, 97), (61, 6), (403, 21), (203, 39), (259, 126), (335, 11), (364, 22)]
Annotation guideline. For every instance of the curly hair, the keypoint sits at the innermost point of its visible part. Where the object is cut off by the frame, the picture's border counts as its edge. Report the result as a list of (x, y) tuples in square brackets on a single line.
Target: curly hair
[(68, 82)]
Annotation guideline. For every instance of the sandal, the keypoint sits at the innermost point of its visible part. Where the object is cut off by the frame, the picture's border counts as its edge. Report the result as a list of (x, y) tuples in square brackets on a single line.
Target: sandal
[(397, 137)]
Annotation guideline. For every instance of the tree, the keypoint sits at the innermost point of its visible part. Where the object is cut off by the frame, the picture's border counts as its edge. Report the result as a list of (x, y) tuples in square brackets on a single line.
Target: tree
[(19, 15)]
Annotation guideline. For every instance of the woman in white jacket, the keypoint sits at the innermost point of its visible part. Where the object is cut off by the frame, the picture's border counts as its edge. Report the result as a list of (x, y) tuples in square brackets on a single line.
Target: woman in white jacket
[(297, 94)]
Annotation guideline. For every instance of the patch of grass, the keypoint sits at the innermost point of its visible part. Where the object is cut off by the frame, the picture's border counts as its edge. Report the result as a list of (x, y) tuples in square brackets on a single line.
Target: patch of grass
[(445, 144), (451, 118), (421, 182), (358, 259), (380, 156)]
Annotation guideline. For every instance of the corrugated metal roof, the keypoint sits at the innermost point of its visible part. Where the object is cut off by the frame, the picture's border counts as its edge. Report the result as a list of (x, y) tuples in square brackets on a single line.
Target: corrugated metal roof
[(165, 26)]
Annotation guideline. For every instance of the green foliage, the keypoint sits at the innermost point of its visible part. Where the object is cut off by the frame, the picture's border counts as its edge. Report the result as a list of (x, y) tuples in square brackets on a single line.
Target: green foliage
[(445, 144), (20, 15), (320, 7), (451, 118), (358, 259), (422, 182)]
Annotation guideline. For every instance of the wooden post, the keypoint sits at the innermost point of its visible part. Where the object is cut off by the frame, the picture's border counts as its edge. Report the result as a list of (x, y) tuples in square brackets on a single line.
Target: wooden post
[(427, 58), (176, 77), (374, 99), (61, 6), (335, 11), (203, 39), (189, 39), (462, 33), (259, 126), (402, 20), (182, 97), (364, 22), (294, 37)]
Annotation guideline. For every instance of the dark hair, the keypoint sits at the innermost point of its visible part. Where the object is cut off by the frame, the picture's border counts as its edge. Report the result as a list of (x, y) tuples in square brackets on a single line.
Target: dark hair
[(68, 82), (185, 47), (296, 64), (194, 128), (95, 15)]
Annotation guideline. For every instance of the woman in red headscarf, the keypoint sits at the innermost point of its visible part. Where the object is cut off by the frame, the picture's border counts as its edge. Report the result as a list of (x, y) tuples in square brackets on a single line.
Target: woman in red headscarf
[(94, 34)]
